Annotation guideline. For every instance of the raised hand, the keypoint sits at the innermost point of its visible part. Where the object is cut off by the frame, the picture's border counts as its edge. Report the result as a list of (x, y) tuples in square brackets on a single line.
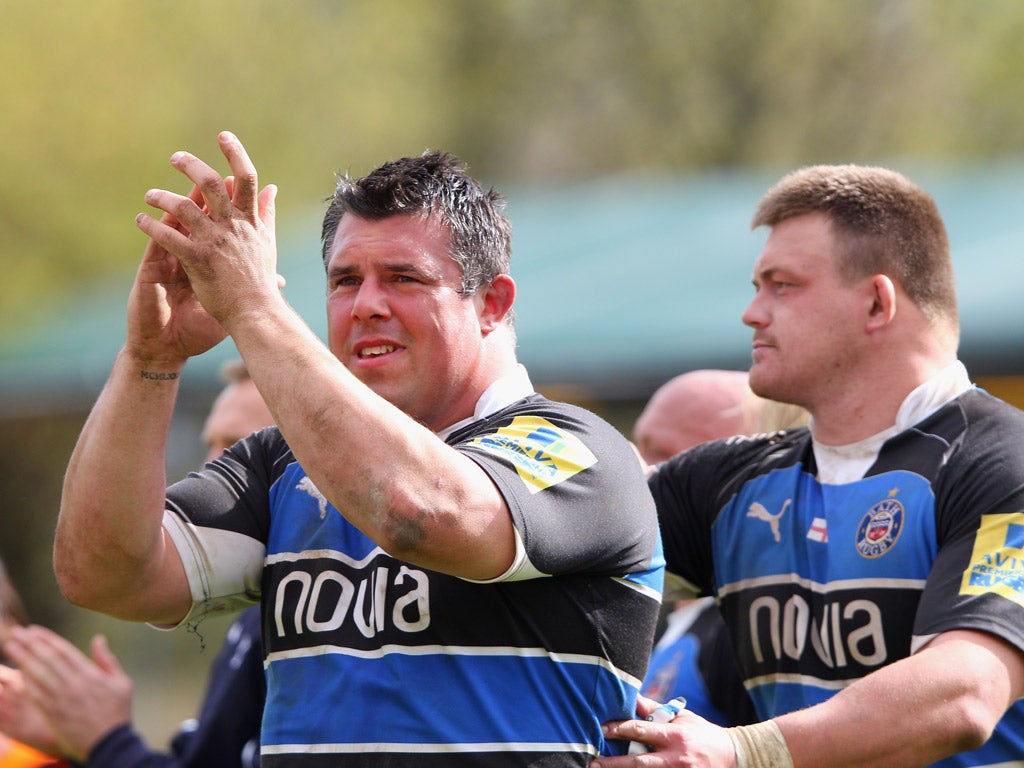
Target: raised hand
[(20, 718), (81, 699), (221, 236), (166, 322)]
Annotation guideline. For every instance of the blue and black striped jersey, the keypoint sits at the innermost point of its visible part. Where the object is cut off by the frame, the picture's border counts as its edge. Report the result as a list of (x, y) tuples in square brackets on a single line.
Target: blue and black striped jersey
[(821, 584), (374, 661)]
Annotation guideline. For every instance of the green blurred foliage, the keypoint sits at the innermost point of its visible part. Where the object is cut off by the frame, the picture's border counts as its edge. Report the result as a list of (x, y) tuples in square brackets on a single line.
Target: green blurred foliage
[(96, 96)]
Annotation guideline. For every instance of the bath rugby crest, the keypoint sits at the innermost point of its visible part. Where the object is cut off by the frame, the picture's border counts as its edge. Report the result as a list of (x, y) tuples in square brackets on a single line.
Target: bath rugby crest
[(880, 528)]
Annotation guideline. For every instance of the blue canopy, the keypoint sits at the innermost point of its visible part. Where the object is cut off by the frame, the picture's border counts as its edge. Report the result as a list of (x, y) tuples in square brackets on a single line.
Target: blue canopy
[(623, 283)]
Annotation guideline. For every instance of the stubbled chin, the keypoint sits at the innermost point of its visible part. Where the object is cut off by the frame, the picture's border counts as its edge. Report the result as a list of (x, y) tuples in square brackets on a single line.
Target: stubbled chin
[(760, 381)]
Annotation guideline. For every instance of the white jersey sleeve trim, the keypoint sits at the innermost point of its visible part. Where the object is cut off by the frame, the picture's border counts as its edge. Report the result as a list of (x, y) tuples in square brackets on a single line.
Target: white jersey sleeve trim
[(520, 570), (234, 585)]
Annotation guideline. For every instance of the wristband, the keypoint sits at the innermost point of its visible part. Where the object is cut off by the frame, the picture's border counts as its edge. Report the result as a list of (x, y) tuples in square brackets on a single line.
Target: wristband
[(760, 745)]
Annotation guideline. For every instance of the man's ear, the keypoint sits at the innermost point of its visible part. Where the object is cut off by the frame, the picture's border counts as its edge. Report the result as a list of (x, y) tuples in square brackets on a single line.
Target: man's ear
[(883, 302), (497, 298)]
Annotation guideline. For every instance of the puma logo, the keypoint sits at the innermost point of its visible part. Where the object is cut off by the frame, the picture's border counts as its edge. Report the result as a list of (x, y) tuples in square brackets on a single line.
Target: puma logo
[(758, 512), (306, 485)]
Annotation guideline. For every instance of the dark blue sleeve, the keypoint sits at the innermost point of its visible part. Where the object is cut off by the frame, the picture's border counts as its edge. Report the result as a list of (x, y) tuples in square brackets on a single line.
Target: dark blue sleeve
[(227, 732), (124, 748)]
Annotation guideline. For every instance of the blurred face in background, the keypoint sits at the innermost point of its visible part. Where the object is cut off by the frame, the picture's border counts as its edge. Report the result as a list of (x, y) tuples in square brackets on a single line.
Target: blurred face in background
[(691, 409), (238, 411), (12, 611)]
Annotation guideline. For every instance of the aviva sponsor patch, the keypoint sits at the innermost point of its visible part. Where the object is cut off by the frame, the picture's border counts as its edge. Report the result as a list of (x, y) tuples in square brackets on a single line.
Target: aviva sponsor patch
[(543, 454), (997, 562)]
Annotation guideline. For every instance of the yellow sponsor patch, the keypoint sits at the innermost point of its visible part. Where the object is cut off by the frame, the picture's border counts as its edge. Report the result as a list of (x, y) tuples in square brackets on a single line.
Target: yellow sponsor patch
[(997, 562), (543, 454)]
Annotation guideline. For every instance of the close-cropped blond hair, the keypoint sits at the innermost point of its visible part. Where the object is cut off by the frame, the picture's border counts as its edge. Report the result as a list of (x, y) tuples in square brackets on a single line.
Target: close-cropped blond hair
[(883, 224)]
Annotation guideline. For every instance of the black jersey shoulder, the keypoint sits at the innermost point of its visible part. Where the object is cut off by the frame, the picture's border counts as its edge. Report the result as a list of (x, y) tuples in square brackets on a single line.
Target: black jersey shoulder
[(716, 470)]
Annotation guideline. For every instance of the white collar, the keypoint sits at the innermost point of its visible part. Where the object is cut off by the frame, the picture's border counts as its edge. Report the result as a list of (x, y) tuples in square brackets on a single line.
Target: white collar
[(501, 393), (839, 464), (949, 383)]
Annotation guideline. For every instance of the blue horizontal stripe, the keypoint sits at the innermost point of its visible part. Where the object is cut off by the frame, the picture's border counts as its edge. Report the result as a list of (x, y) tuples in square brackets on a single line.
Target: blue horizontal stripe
[(439, 699)]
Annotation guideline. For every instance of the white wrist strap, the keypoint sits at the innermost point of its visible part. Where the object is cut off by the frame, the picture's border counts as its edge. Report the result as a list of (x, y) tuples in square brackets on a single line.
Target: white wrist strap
[(760, 745)]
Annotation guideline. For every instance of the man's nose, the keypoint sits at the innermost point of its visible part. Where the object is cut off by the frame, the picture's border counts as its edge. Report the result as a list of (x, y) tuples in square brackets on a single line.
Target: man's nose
[(754, 315), (370, 301)]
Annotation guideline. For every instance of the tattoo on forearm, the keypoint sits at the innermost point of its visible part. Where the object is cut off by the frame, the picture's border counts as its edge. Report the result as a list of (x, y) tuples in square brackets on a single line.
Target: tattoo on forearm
[(159, 376)]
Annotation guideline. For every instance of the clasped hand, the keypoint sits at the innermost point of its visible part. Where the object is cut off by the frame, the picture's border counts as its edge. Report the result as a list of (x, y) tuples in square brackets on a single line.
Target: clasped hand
[(211, 260), (688, 741)]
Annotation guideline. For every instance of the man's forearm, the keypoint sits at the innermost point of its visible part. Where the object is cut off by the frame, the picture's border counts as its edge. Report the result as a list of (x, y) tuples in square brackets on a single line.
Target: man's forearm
[(108, 546), (956, 689), (402, 486)]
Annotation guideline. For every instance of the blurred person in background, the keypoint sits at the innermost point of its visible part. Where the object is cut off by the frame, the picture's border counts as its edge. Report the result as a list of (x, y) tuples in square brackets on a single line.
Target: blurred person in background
[(238, 411), (693, 408), (868, 567), (19, 727), (69, 704)]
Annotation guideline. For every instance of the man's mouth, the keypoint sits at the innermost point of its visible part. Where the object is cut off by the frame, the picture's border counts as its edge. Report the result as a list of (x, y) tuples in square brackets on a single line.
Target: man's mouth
[(381, 349)]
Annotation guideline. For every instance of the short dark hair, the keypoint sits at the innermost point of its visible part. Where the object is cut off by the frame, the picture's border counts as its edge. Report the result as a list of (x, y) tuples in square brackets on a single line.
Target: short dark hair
[(885, 224), (435, 183)]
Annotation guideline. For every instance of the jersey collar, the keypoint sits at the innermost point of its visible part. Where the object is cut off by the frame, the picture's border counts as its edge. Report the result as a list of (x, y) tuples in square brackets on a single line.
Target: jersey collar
[(500, 394), (839, 464)]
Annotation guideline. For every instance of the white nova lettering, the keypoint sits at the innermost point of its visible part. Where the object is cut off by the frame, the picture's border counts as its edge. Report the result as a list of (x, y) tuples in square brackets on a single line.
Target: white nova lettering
[(368, 602), (833, 639)]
